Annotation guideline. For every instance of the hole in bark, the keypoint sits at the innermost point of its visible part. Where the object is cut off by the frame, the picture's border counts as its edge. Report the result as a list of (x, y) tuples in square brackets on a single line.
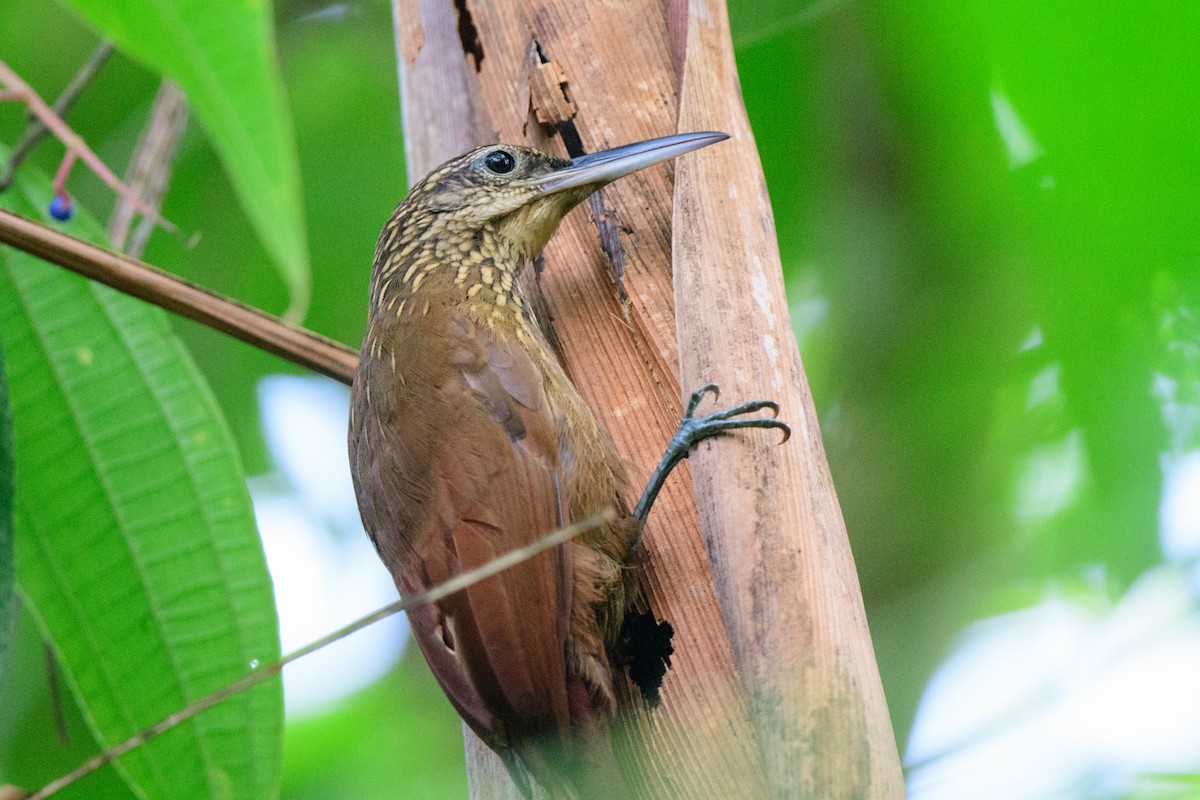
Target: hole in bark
[(645, 649), (468, 34), (570, 138)]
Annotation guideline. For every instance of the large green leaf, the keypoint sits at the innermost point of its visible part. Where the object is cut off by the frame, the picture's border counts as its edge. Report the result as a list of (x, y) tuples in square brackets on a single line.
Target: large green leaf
[(222, 54), (136, 547), (6, 520)]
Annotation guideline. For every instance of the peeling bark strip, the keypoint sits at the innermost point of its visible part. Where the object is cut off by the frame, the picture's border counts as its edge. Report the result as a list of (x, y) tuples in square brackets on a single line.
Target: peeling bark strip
[(550, 101), (468, 34), (548, 96), (552, 106)]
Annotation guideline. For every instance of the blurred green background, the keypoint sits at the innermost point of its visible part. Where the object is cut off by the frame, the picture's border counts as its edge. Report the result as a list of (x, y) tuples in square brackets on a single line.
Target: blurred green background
[(989, 218)]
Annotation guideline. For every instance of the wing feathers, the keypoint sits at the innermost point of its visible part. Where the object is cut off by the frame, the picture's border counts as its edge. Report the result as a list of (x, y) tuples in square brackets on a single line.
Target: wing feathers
[(494, 480)]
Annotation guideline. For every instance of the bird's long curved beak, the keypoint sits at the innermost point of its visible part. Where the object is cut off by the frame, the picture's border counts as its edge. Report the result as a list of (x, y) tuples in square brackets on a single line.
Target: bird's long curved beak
[(597, 169)]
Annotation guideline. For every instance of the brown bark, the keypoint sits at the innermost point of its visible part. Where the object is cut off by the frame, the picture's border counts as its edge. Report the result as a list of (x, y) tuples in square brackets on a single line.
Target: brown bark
[(770, 516), (779, 609)]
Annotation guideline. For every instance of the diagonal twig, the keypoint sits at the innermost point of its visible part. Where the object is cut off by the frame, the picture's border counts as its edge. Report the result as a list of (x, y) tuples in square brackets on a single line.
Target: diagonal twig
[(258, 328), (37, 129), (17, 89)]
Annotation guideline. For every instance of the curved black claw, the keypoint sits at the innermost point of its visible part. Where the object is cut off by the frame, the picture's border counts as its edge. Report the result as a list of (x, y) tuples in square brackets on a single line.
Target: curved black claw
[(746, 408), (698, 395), (693, 430)]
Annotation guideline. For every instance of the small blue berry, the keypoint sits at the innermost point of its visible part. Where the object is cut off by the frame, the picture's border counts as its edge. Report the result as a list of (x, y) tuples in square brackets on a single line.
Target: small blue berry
[(62, 208)]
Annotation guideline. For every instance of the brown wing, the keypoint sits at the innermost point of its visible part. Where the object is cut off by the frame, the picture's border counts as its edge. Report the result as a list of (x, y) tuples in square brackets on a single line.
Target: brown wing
[(462, 437)]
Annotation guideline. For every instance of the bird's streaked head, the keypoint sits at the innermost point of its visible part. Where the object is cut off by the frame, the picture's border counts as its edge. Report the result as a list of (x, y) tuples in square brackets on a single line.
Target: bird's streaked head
[(523, 194)]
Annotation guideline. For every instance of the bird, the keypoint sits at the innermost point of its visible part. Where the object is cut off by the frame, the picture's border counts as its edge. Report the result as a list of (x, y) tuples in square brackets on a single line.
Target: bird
[(467, 440)]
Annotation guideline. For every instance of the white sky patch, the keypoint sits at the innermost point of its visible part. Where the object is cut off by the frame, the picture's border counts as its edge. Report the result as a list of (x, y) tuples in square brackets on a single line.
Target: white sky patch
[(321, 584), (1181, 417), (325, 570), (1018, 140), (1179, 509), (1034, 340), (1068, 699), (305, 422), (1050, 478), (1044, 387), (1079, 697)]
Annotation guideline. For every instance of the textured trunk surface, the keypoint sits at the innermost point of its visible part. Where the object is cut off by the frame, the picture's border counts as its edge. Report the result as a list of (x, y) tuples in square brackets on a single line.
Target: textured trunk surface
[(773, 690)]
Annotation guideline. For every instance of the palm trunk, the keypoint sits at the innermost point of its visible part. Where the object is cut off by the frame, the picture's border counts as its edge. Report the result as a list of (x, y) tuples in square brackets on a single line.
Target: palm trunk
[(774, 691)]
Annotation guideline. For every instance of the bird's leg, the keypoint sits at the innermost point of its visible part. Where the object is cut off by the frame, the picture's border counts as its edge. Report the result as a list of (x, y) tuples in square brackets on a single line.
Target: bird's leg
[(693, 430)]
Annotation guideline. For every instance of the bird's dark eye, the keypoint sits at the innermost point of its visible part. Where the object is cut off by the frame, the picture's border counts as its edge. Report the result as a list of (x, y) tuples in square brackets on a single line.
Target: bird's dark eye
[(500, 162)]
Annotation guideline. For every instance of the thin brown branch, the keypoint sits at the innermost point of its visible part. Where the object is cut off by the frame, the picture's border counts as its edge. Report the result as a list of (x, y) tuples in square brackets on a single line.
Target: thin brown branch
[(258, 328), (264, 673)]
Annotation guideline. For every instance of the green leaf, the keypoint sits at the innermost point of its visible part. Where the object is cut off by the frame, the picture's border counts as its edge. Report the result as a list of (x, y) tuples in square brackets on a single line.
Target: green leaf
[(222, 54), (136, 547), (7, 594)]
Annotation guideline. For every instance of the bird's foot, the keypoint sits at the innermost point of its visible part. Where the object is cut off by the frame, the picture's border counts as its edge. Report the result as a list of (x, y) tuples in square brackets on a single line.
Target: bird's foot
[(693, 430)]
